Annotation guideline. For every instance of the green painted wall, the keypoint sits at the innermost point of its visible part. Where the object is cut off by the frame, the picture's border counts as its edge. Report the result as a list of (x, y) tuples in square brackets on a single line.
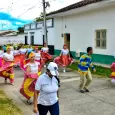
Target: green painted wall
[(57, 52), (97, 58), (103, 59)]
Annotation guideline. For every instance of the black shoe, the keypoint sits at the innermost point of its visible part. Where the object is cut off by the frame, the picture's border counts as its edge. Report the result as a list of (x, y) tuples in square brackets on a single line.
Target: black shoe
[(86, 90), (82, 91)]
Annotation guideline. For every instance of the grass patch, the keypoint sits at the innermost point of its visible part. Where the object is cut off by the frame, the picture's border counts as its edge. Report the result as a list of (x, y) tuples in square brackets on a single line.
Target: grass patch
[(7, 107), (100, 71)]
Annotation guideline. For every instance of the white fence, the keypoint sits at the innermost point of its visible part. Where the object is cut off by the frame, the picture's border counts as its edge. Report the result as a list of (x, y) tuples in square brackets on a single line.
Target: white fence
[(12, 39)]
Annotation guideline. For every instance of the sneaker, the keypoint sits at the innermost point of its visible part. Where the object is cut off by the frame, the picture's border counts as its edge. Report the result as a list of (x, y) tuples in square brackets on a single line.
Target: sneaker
[(64, 70), (86, 90), (5, 81), (44, 66), (28, 102), (12, 84), (82, 91)]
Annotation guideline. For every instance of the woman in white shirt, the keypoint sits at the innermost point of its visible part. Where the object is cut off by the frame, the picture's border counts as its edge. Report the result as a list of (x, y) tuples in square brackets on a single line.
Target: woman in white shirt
[(64, 59), (46, 92), (31, 75), (45, 49), (15, 51), (37, 54), (16, 54), (8, 60), (45, 55), (22, 50), (38, 57)]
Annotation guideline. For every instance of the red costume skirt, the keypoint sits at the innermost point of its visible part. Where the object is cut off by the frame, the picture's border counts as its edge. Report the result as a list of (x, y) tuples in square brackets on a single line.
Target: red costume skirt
[(46, 57), (63, 61)]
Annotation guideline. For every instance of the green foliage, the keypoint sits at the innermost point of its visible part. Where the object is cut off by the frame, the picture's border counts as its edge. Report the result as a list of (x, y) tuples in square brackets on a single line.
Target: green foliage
[(26, 46), (21, 30), (41, 18), (7, 107)]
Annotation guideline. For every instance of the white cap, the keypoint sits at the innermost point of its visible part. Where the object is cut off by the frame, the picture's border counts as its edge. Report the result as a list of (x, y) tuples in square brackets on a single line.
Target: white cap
[(53, 68)]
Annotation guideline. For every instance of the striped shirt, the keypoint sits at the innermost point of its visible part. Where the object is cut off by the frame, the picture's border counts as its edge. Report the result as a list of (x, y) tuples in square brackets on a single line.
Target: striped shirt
[(84, 64)]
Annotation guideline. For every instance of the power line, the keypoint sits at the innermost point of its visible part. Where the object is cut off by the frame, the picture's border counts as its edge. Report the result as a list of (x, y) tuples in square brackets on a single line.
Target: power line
[(23, 12), (28, 10), (12, 4)]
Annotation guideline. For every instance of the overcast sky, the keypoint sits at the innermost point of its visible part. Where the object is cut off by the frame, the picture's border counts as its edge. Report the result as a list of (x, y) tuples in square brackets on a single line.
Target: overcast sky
[(16, 8)]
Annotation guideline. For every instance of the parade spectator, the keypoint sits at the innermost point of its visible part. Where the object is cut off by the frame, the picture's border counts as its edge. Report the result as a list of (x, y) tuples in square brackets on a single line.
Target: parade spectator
[(47, 89)]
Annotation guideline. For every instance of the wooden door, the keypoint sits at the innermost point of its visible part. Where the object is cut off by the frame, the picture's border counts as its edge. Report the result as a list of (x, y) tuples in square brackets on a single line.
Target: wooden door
[(67, 40)]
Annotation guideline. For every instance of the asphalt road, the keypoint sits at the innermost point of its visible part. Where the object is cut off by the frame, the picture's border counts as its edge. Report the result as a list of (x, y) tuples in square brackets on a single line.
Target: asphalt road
[(100, 100)]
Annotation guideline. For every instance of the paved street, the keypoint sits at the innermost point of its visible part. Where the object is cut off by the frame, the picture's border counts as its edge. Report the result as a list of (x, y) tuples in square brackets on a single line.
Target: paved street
[(100, 101)]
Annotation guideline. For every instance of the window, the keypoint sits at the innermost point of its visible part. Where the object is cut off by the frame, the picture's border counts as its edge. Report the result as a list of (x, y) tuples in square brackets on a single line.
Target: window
[(101, 38)]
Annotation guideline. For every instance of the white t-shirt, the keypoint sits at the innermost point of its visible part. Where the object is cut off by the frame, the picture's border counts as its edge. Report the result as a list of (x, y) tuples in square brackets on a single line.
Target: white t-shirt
[(48, 88), (45, 49), (23, 51), (1, 53), (65, 51), (9, 57), (38, 55), (15, 52), (33, 67)]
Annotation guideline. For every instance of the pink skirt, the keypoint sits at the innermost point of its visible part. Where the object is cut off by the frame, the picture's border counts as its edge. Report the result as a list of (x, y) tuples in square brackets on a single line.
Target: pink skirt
[(8, 71)]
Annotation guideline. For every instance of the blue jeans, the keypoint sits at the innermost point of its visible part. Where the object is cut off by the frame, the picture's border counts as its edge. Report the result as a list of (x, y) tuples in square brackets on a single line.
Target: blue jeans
[(53, 109)]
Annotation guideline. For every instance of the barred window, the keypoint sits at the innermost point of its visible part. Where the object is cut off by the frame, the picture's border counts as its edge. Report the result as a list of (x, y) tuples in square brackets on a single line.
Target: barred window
[(101, 38)]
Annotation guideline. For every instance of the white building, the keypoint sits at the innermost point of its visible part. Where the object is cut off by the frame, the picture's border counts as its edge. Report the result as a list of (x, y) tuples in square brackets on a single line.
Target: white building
[(11, 37), (83, 24), (34, 33)]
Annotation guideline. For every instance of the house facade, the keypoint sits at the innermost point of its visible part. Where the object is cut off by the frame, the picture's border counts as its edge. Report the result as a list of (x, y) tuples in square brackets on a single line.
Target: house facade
[(86, 23), (34, 33), (11, 37)]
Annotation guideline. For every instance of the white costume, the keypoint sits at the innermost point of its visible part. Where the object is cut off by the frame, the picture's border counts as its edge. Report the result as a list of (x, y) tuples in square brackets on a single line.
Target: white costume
[(65, 51), (45, 49)]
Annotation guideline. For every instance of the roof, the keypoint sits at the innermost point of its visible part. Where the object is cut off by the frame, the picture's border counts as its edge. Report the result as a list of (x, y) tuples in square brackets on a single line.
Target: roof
[(7, 32), (74, 6)]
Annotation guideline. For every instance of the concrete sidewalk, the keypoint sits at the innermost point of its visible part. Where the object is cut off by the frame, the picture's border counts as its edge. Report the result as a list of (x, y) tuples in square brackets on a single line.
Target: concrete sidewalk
[(100, 101)]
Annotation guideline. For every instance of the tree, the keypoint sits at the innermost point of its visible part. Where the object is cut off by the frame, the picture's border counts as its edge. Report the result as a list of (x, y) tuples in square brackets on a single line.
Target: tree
[(21, 30), (40, 18)]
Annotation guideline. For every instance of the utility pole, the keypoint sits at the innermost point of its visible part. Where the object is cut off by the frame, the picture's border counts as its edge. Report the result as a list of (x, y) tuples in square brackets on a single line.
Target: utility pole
[(45, 25)]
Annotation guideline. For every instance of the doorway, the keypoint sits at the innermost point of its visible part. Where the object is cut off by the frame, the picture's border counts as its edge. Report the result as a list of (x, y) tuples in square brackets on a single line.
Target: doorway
[(43, 40), (32, 39), (26, 40), (67, 40)]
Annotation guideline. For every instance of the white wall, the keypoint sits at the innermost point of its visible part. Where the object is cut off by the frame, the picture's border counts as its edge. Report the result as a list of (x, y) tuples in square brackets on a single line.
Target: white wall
[(51, 36), (12, 39), (38, 36), (82, 30)]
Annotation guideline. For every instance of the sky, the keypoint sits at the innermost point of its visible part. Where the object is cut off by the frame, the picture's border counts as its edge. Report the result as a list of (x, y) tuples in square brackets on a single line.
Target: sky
[(16, 13)]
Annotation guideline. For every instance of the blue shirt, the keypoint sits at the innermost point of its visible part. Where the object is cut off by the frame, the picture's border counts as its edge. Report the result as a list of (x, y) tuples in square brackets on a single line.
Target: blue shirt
[(85, 63)]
